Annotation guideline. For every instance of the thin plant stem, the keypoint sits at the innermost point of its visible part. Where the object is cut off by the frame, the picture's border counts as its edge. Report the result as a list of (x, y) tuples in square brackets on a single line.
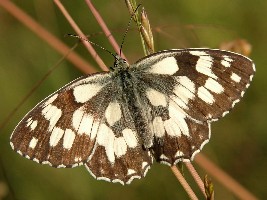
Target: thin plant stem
[(76, 28), (222, 177), (104, 27), (37, 85), (184, 183), (41, 32), (196, 177)]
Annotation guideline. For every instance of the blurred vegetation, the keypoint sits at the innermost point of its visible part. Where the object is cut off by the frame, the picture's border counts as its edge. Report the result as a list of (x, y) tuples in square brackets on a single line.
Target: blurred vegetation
[(238, 143)]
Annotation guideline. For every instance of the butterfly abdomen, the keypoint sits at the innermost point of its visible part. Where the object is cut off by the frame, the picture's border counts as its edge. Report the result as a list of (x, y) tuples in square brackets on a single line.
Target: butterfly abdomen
[(135, 106)]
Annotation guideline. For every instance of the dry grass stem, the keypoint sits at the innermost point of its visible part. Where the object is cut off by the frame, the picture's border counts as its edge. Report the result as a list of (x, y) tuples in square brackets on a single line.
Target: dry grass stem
[(184, 183), (54, 42), (196, 177), (224, 178), (35, 87), (146, 32), (104, 27), (76, 28)]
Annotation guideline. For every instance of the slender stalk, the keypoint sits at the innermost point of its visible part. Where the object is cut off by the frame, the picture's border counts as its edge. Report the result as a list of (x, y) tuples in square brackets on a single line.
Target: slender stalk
[(81, 34), (224, 178), (104, 27), (54, 42), (184, 183), (196, 177), (37, 85)]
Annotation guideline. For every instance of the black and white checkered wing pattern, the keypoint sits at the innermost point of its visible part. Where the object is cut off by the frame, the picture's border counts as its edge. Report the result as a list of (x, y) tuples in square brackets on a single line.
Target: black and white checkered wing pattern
[(187, 90), (114, 122), (84, 123)]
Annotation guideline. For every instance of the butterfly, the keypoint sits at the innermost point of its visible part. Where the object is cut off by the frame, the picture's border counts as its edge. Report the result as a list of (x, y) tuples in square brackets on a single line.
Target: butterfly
[(115, 123)]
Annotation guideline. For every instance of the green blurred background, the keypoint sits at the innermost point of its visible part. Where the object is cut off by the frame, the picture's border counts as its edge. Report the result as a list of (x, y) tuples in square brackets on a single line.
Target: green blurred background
[(238, 143)]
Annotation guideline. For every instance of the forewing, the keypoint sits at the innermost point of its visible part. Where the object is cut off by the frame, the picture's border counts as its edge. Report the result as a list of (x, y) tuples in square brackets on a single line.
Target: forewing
[(204, 83), (60, 130)]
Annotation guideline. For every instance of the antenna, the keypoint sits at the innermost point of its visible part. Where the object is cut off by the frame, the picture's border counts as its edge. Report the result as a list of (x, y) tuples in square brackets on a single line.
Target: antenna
[(93, 43), (97, 45), (128, 26)]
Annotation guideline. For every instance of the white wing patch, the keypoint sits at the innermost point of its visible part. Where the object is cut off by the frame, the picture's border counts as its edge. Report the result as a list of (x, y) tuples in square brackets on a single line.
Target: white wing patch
[(172, 128), (156, 98), (176, 125), (166, 66), (82, 122), (214, 86), (158, 127), (86, 125), (130, 137), (184, 90), (226, 62), (113, 113), (33, 142), (205, 95), (131, 171), (77, 118), (115, 146), (50, 100), (85, 92), (52, 114), (179, 118), (204, 63), (105, 138), (55, 136), (31, 123), (68, 139), (120, 147), (95, 128), (235, 77)]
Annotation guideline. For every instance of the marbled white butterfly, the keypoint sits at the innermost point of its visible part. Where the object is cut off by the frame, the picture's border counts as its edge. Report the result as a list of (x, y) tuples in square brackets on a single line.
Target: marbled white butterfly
[(116, 122)]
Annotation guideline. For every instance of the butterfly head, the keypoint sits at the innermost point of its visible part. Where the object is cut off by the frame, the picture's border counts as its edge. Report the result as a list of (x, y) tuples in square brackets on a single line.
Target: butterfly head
[(119, 64)]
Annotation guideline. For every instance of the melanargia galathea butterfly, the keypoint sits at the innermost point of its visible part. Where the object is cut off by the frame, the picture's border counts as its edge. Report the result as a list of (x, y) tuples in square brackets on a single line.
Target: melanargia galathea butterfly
[(115, 122)]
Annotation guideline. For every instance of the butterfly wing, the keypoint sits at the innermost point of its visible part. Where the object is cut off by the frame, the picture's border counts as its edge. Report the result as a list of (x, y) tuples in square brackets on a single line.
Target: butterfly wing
[(77, 125), (188, 89), (173, 97), (54, 131)]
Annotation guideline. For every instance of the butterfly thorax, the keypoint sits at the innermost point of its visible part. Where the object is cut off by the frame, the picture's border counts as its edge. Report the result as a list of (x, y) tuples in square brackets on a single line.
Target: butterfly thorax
[(119, 64), (130, 89)]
